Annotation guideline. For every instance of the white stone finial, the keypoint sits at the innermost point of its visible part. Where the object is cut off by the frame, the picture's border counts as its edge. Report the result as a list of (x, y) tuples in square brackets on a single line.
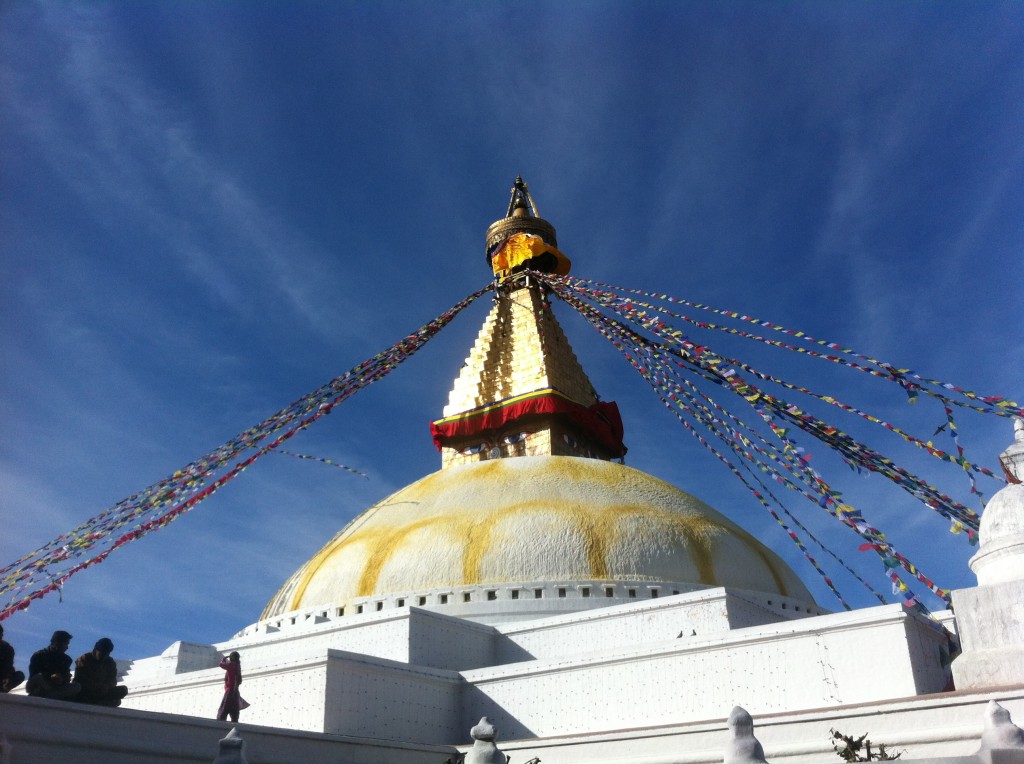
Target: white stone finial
[(1000, 557), (231, 749), (484, 730), (484, 751), (1012, 458), (743, 747), (1000, 733)]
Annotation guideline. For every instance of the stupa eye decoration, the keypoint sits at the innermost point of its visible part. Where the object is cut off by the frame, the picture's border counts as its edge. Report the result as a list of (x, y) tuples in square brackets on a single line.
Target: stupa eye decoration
[(509, 444)]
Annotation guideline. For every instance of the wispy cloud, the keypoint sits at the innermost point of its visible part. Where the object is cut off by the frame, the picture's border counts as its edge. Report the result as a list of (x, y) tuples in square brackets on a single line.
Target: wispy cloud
[(131, 156)]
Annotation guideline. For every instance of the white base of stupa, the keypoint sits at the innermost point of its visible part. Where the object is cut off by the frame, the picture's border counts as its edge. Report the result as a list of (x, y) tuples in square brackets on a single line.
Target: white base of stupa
[(421, 676), (650, 682)]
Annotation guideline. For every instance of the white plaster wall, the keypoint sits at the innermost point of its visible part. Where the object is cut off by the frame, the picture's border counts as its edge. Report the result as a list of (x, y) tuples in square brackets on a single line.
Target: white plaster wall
[(445, 642), (41, 731), (180, 657), (748, 608), (337, 692), (382, 635), (198, 694), (375, 698), (706, 612), (991, 621), (507, 602), (44, 731), (991, 616), (623, 667), (940, 725), (624, 625), (830, 660), (289, 695), (410, 635)]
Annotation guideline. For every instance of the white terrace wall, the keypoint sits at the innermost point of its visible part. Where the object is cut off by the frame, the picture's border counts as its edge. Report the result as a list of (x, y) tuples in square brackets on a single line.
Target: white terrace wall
[(600, 671), (411, 635), (289, 694), (945, 725), (336, 692), (372, 697), (863, 656), (40, 731), (51, 732), (447, 642), (706, 612)]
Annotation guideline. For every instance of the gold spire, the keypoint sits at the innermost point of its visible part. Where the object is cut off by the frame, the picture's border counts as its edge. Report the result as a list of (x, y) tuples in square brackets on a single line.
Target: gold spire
[(522, 391)]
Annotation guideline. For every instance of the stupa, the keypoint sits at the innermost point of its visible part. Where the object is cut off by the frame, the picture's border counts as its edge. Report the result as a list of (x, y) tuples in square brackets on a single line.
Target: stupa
[(592, 612), (530, 514)]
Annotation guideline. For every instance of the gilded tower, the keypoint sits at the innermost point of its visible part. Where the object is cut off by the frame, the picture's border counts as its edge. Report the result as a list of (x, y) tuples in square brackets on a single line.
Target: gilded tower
[(521, 391)]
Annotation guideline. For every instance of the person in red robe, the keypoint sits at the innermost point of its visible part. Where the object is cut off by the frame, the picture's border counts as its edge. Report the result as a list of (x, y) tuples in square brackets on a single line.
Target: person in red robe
[(232, 702)]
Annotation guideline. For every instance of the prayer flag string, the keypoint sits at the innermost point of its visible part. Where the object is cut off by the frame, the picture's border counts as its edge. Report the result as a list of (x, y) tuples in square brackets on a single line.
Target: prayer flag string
[(618, 334), (771, 408), (670, 361), (991, 404), (48, 568), (676, 366), (927, 446), (322, 461)]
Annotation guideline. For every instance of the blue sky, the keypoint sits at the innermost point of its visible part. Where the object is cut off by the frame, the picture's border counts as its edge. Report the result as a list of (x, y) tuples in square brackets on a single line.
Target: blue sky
[(209, 209)]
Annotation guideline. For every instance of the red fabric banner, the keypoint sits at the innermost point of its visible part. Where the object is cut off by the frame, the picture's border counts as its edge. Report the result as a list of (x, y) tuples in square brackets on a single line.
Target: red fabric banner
[(601, 422)]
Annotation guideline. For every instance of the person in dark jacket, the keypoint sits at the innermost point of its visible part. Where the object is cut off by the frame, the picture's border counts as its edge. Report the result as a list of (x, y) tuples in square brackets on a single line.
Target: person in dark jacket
[(49, 670), (9, 678), (96, 672)]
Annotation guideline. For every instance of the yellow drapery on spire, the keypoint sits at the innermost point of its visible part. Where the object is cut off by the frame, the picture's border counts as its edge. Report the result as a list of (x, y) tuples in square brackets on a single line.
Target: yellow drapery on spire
[(531, 250)]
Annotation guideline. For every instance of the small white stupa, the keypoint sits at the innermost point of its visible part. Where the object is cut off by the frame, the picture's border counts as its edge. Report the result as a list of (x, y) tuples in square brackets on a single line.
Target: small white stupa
[(990, 617)]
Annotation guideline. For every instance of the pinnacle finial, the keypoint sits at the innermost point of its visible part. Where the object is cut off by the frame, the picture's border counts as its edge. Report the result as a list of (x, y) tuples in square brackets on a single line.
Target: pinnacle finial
[(525, 231), (521, 199)]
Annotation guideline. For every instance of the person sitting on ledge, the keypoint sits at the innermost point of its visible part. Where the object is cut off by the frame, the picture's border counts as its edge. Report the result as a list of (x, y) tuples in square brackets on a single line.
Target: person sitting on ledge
[(96, 672), (9, 678), (49, 670)]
